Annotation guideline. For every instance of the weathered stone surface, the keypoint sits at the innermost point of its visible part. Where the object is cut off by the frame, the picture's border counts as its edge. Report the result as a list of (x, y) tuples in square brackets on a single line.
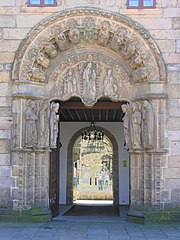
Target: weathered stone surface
[(15, 33), (172, 183), (174, 161), (5, 123), (5, 171), (169, 3), (4, 77), (171, 12), (171, 57), (9, 10), (7, 3), (4, 90), (176, 23), (28, 21), (5, 134), (167, 45), (171, 173), (7, 21), (165, 34), (173, 91), (173, 77), (173, 123), (5, 146), (5, 101), (175, 195), (4, 159), (5, 111), (156, 23), (4, 194), (178, 46), (12, 46), (6, 57), (175, 147)]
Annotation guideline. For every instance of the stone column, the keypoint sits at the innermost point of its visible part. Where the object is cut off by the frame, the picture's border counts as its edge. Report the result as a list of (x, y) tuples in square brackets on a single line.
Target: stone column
[(30, 154), (147, 163)]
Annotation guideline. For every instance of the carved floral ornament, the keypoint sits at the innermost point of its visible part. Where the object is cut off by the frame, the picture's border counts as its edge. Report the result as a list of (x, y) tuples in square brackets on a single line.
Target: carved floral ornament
[(88, 27)]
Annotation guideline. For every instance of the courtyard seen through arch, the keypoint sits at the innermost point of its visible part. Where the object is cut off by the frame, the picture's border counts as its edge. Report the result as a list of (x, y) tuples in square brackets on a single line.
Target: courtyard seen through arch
[(93, 170)]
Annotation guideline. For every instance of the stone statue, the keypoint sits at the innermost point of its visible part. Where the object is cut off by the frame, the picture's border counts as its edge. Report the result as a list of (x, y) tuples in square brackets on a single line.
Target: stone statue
[(37, 75), (128, 49), (42, 60), (43, 129), (89, 30), (103, 36), (126, 123), (50, 49), (147, 125), (136, 61), (136, 121), (70, 83), (54, 119), (89, 82), (61, 41), (139, 74), (110, 84), (31, 117), (74, 34)]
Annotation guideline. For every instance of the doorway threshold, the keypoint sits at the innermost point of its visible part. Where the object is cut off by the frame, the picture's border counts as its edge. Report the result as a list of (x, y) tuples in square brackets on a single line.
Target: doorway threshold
[(94, 202)]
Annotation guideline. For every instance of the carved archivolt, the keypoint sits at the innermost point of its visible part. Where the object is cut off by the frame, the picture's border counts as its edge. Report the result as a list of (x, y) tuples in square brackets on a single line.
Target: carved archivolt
[(86, 28)]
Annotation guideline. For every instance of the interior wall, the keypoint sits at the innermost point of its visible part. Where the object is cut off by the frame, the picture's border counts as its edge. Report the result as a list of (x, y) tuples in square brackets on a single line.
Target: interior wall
[(67, 130)]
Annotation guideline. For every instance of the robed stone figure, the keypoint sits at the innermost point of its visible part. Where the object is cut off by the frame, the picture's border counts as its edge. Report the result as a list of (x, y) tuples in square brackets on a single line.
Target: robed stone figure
[(147, 125), (54, 120), (126, 123)]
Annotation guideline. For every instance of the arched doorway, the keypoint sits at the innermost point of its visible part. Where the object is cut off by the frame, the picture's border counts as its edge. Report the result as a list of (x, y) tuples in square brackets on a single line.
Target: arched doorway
[(90, 54), (93, 176)]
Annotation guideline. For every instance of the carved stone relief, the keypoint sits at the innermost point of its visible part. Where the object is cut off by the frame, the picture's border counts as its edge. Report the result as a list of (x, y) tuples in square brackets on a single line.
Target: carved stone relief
[(35, 125), (54, 119), (31, 117), (139, 125), (89, 76), (135, 47)]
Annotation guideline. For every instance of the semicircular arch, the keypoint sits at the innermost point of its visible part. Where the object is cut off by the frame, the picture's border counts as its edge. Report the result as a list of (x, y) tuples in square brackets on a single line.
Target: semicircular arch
[(69, 189)]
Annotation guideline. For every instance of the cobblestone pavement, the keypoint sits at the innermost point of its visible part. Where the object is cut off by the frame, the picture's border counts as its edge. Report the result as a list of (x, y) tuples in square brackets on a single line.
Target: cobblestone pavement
[(63, 229)]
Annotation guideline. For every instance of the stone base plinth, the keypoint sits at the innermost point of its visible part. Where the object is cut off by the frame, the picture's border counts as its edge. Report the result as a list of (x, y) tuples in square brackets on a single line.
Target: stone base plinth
[(149, 215), (32, 215)]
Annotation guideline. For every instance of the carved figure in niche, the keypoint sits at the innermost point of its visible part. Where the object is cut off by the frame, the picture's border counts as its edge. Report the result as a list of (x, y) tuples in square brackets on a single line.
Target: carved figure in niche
[(61, 41), (119, 38), (126, 123), (136, 61), (54, 119), (31, 117), (70, 83), (74, 34), (128, 49), (147, 125), (103, 36), (42, 60), (139, 75), (136, 121), (50, 49), (110, 84), (89, 32), (37, 75), (43, 139), (89, 82)]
